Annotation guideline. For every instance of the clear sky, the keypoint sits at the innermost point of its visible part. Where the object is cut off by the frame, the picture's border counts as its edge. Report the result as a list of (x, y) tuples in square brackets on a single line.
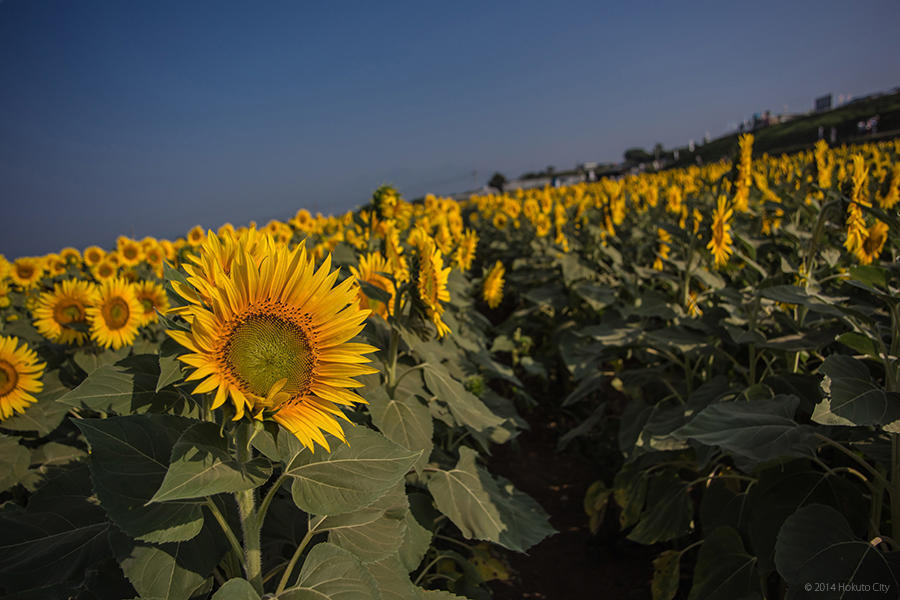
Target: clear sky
[(148, 117)]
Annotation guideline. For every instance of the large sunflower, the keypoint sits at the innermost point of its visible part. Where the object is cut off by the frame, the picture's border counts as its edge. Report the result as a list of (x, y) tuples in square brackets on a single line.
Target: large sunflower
[(117, 314), (66, 305), (20, 376), (873, 241), (273, 335)]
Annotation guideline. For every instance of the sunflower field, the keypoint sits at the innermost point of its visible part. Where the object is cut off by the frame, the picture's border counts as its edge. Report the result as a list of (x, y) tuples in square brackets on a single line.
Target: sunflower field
[(305, 410)]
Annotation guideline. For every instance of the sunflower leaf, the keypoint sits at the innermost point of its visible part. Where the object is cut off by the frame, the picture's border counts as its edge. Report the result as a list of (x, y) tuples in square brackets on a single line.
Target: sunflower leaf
[(487, 510), (201, 465), (46, 414), (406, 422), (129, 460), (128, 386), (352, 477), (466, 407), (332, 573)]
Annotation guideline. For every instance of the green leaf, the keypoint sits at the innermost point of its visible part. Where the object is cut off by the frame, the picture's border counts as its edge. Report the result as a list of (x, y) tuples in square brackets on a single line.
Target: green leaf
[(128, 462), (666, 574), (202, 465), (668, 513), (374, 292), (466, 408), (484, 509), (236, 589), (851, 397), (859, 342), (761, 430), (54, 454), (392, 579), (46, 414), (405, 422), (332, 573), (350, 478), (724, 571), (372, 533), (870, 274), (59, 535), (15, 458), (416, 539), (173, 570), (91, 360), (816, 544), (128, 386), (169, 371)]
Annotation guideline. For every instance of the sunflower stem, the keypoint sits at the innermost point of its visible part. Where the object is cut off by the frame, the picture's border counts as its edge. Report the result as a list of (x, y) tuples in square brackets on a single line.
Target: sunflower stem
[(392, 361), (246, 501)]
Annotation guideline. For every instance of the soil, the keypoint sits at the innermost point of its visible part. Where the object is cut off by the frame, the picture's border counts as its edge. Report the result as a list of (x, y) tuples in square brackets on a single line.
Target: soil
[(572, 564)]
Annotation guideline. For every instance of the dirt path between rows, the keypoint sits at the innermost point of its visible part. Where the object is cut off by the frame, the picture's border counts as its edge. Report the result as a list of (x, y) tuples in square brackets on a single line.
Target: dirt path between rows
[(572, 564)]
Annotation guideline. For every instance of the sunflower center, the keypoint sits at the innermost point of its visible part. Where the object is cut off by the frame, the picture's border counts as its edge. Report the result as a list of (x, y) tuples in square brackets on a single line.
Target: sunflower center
[(116, 313), (8, 378), (265, 349), (147, 305), (25, 272), (69, 311)]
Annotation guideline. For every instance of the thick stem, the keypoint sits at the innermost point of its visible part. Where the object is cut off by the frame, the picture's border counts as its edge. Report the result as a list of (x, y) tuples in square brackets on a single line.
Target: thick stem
[(392, 361), (246, 502)]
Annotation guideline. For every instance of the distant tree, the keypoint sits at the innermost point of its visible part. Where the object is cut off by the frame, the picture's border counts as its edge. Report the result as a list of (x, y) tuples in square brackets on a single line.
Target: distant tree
[(497, 181), (637, 155), (658, 151), (550, 170)]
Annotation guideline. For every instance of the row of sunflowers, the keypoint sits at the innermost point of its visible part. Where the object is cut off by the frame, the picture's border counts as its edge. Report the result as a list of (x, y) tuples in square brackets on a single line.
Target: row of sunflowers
[(354, 407)]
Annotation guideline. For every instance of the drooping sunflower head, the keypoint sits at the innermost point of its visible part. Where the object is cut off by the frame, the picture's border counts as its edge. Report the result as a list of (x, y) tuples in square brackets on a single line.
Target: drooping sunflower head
[(371, 270), (493, 285), (872, 243), (431, 283), (465, 252), (58, 312), (20, 376), (153, 299), (27, 271), (116, 315), (273, 336), (720, 242)]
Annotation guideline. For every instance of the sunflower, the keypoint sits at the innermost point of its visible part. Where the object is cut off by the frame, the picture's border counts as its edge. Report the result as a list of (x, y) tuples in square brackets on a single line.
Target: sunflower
[(155, 256), (56, 311), (70, 255), (273, 336), (93, 255), (104, 270), (130, 253), (431, 284), (493, 285), (371, 269), (116, 315), (872, 243), (196, 235), (55, 264), (27, 271), (720, 243), (153, 299), (20, 376), (465, 252), (5, 267)]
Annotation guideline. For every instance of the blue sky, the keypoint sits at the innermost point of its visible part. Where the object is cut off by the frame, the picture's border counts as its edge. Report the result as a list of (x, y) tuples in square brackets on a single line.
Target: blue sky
[(146, 118)]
